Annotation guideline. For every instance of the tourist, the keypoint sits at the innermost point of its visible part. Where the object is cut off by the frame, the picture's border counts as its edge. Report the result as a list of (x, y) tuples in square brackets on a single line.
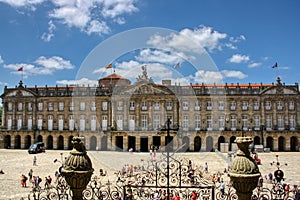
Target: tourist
[(34, 160), (206, 167), (23, 180), (30, 174), (260, 183), (270, 175), (176, 197), (222, 187), (48, 181), (193, 195), (57, 175)]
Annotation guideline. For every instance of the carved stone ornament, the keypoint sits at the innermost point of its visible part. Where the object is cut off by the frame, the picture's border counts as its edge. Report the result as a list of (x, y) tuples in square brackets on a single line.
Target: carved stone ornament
[(77, 169), (244, 172)]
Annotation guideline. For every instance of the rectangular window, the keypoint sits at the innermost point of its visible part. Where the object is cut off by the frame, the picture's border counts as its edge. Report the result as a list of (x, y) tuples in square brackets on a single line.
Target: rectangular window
[(82, 123), (156, 106), (104, 105), (71, 123), (131, 123), (144, 122), (256, 122), (71, 106), (120, 122), (244, 105), (280, 123), (185, 123), (209, 105), (82, 106), (29, 108), (61, 106), (221, 105), (256, 105), (197, 122), (93, 123), (120, 106), (40, 106), (93, 106), (60, 122), (291, 105), (169, 105), (232, 105), (144, 105), (40, 122), (233, 122), (156, 122), (131, 105), (20, 106), (245, 122), (197, 106), (292, 122), (9, 107), (221, 120), (268, 122), (279, 105), (104, 123), (185, 105), (209, 123), (50, 106), (268, 105)]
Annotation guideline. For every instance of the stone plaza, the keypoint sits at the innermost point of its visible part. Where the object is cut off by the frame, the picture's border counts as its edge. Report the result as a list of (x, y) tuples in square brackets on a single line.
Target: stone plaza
[(14, 163)]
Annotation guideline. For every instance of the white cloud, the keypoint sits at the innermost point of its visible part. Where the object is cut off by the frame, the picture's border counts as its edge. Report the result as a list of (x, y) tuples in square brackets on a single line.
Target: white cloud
[(203, 76), (113, 8), (188, 40), (41, 66), (1, 60), (81, 82), (48, 36), (148, 55), (23, 3), (233, 74), (254, 64), (238, 58), (90, 16)]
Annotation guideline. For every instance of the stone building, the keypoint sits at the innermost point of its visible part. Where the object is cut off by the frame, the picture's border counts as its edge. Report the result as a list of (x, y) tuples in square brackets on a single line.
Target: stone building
[(118, 115)]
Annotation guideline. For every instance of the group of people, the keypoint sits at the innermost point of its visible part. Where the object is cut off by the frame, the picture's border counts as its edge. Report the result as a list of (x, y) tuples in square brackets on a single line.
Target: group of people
[(35, 180)]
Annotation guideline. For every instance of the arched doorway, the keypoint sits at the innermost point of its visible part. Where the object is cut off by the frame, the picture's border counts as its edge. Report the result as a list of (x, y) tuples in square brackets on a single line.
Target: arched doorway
[(70, 145), (270, 143), (60, 143), (232, 142), (93, 143), (7, 142), (17, 142), (209, 143), (281, 143), (131, 143), (40, 138), (186, 144), (27, 141), (104, 143), (197, 143), (49, 142), (220, 140), (294, 143), (256, 140)]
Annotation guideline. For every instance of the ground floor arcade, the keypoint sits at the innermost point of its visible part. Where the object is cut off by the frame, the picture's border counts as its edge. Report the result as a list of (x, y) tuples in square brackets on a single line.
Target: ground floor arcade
[(141, 141)]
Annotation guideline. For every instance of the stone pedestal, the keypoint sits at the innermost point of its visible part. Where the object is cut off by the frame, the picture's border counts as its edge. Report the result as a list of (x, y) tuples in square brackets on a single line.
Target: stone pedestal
[(244, 172), (77, 169)]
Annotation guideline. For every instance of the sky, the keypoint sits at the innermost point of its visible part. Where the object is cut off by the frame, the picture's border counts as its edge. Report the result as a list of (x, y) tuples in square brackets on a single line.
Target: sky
[(65, 42)]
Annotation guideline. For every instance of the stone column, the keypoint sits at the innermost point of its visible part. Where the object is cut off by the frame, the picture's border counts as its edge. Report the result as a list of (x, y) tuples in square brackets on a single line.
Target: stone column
[(244, 172)]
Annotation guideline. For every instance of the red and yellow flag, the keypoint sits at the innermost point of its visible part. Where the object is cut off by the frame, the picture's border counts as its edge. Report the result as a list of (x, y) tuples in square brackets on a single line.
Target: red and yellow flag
[(108, 66)]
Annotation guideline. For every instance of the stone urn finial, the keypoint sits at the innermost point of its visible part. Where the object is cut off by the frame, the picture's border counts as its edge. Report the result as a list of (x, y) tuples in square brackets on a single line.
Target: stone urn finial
[(244, 172), (77, 169)]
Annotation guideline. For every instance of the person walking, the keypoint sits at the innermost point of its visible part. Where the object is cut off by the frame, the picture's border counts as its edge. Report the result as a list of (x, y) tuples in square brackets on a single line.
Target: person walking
[(34, 160), (30, 173)]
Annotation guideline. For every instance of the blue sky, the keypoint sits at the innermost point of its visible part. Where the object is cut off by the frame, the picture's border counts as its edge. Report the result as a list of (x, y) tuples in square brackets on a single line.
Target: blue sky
[(69, 42)]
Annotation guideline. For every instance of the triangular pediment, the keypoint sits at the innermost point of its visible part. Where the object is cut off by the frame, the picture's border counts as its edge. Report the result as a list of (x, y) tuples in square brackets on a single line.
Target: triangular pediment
[(146, 89), (280, 89), (19, 93)]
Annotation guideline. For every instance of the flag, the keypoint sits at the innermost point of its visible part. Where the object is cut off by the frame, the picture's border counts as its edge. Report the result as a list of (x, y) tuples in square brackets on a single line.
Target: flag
[(177, 66), (275, 65), (20, 69), (108, 66)]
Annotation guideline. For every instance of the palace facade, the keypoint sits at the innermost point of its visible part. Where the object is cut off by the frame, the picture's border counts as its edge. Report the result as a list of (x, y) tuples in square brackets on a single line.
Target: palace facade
[(118, 115)]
